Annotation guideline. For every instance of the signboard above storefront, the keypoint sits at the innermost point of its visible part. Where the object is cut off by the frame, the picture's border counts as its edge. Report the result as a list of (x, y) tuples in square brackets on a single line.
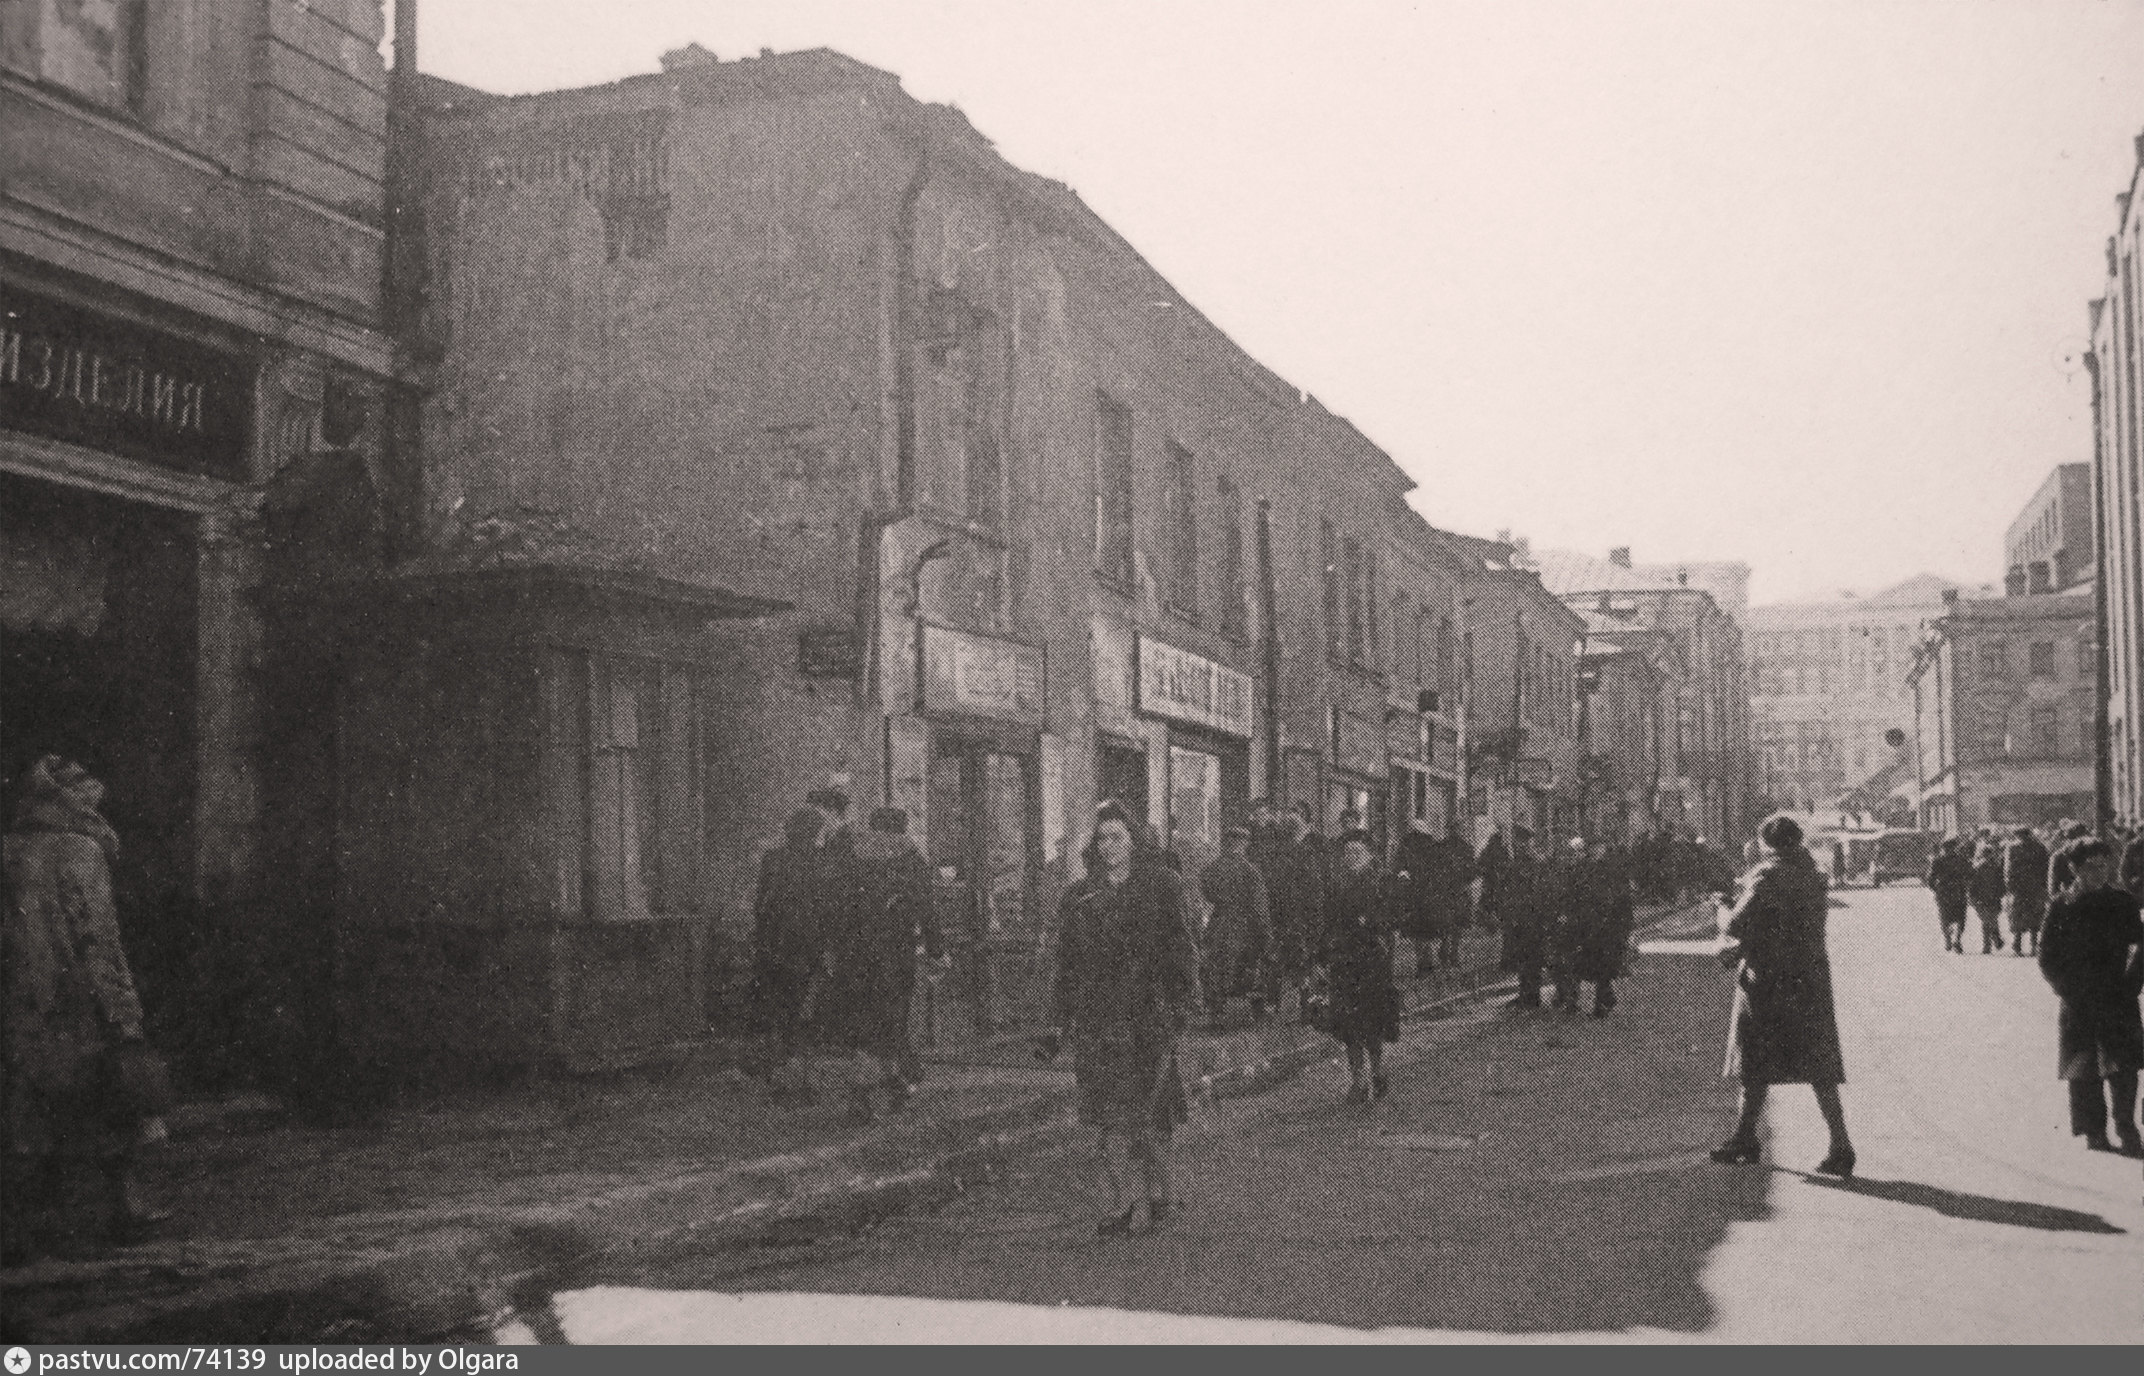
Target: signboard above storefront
[(973, 675), (1190, 688), (828, 652), (112, 385)]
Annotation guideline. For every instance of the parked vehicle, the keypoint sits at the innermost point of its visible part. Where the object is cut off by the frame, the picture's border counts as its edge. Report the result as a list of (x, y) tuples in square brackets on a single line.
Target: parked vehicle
[(1902, 855)]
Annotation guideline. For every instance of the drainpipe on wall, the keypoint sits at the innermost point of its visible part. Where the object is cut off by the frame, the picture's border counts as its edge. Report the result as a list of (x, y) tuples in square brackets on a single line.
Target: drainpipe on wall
[(1269, 655), (2102, 730)]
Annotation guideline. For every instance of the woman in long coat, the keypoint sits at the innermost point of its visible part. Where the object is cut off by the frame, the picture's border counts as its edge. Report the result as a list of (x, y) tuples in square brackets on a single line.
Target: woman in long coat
[(70, 1006), (872, 983), (1126, 987), (1357, 953), (2091, 954), (788, 945), (1784, 1030)]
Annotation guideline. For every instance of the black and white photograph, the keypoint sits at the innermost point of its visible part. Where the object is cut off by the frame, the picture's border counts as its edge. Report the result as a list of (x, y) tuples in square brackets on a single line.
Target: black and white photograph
[(1238, 672)]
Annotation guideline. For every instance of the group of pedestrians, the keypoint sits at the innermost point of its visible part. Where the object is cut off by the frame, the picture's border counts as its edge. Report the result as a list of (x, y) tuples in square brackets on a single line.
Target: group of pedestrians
[(1989, 876), (836, 924), (1567, 916)]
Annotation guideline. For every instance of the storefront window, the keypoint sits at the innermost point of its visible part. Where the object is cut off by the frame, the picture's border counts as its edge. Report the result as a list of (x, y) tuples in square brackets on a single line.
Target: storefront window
[(1194, 797)]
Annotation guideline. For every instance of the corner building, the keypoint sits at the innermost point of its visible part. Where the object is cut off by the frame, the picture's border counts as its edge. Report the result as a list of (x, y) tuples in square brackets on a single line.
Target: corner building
[(778, 433), (193, 384)]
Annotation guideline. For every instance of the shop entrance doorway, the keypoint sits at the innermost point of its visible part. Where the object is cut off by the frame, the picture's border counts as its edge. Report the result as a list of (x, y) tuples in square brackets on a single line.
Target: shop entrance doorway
[(98, 659)]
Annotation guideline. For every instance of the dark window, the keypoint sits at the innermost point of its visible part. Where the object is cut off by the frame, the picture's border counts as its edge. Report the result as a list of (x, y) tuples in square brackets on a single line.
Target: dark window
[(1373, 650), (2042, 657), (1180, 497), (1995, 658), (1233, 620), (1329, 554), (985, 472), (2087, 658), (1112, 488), (2046, 730), (1351, 586), (1445, 653)]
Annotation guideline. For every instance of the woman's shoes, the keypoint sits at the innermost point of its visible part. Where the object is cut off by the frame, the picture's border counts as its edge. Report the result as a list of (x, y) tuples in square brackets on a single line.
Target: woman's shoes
[(1734, 1153), (1379, 1086), (1358, 1093), (1117, 1225), (1839, 1163)]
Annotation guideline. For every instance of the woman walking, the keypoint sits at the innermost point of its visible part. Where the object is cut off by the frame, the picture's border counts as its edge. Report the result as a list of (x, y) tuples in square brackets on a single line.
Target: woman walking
[(2090, 954), (1127, 985), (1357, 951), (76, 1078), (1784, 1029)]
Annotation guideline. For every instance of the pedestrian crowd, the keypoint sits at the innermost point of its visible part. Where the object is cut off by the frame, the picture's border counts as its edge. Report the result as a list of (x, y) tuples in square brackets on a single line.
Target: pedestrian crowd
[(2075, 897)]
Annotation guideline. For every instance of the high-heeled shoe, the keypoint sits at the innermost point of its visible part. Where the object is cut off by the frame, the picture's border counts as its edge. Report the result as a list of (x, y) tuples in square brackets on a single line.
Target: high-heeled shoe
[(1379, 1086), (1734, 1153), (1840, 1163), (1358, 1093)]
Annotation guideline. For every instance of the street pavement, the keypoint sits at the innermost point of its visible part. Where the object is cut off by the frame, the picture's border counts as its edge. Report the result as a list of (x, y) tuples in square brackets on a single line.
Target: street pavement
[(1535, 1177)]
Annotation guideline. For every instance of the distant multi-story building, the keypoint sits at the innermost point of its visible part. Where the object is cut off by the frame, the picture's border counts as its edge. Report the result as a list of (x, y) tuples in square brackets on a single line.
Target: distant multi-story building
[(2116, 360), (2003, 691), (1828, 681), (1705, 784), (2049, 548)]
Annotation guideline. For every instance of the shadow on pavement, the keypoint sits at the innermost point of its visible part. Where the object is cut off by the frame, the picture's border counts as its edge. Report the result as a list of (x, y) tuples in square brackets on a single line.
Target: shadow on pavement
[(1974, 1208)]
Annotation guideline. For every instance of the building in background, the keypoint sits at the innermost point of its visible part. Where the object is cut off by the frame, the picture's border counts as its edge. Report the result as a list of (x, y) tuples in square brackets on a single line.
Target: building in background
[(1827, 682), (2116, 361), (2049, 548), (193, 377), (2003, 691), (1521, 645), (1705, 787)]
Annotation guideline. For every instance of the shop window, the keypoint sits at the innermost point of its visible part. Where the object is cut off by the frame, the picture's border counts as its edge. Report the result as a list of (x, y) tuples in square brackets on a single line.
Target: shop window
[(2042, 659), (1233, 618), (644, 790), (1112, 488), (1180, 518), (90, 48), (1194, 798)]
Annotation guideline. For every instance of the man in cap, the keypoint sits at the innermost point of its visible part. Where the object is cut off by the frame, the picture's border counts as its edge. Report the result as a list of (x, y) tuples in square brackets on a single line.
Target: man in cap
[(1238, 925)]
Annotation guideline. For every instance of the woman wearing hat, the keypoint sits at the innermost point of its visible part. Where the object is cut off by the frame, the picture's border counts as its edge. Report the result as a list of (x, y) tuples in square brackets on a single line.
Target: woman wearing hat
[(73, 1022), (1357, 953), (1126, 987), (1785, 1030)]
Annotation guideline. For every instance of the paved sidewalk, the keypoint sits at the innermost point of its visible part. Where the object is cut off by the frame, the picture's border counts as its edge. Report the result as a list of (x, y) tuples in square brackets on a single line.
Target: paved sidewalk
[(443, 1211)]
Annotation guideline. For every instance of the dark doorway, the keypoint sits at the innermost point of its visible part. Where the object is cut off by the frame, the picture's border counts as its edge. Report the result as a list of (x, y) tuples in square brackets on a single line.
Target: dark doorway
[(98, 657), (1120, 773)]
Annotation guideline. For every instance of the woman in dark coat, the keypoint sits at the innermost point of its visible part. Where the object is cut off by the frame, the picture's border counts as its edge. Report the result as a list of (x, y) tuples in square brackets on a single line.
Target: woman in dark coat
[(1785, 1030), (871, 984), (2090, 953), (788, 947), (1126, 987), (70, 1014), (1357, 954)]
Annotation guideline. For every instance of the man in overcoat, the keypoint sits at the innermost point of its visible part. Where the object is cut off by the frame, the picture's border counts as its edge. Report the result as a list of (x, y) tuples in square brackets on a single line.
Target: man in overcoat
[(871, 984), (1531, 901), (1414, 885), (1451, 880), (1950, 880), (2092, 954), (1295, 893), (1238, 925), (2025, 888)]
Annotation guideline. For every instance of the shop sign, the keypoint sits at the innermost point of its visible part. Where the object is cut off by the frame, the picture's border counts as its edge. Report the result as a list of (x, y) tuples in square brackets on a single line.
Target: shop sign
[(828, 652), (112, 385), (1191, 688), (982, 676)]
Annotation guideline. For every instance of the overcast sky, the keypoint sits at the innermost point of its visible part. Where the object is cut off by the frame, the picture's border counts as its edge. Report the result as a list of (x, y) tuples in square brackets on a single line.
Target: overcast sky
[(1800, 284)]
